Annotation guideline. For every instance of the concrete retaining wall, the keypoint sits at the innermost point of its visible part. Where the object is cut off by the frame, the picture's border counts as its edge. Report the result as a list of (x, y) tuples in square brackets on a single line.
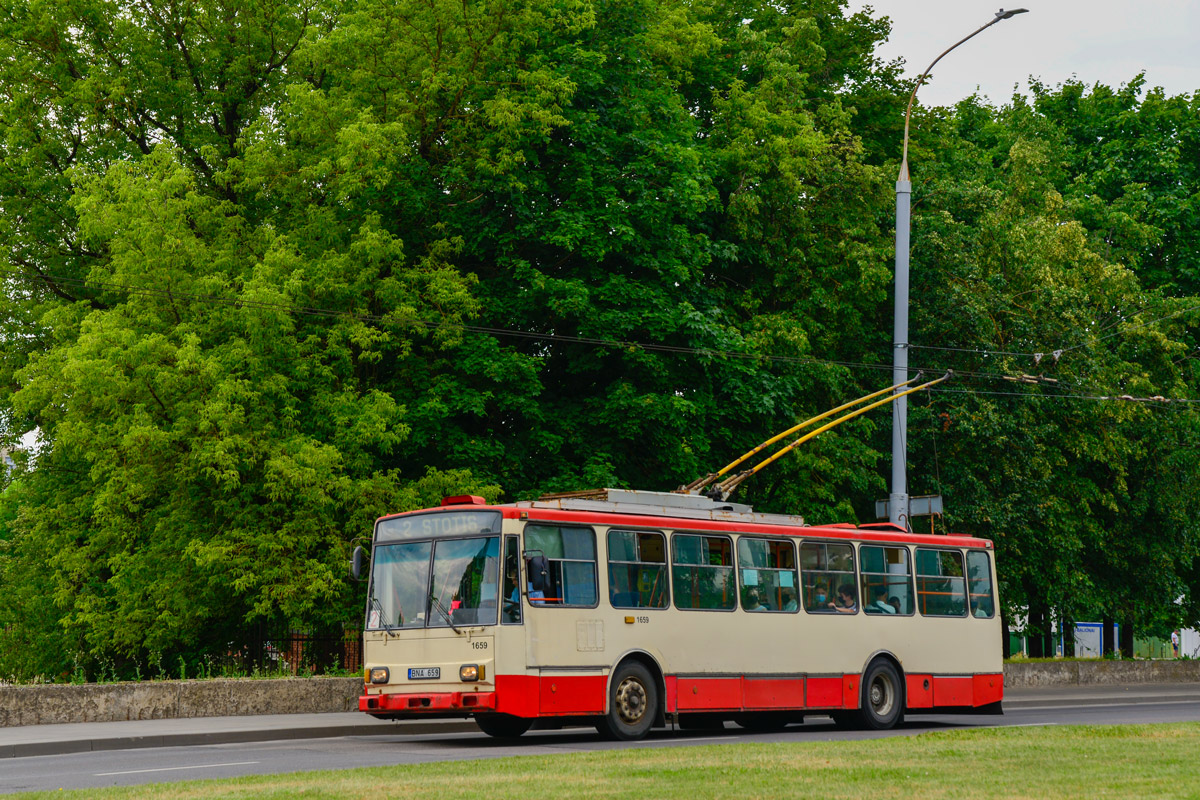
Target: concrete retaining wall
[(42, 705), (1083, 673)]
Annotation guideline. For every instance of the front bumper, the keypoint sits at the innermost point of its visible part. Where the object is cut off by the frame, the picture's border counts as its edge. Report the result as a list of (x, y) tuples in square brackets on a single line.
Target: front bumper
[(432, 703)]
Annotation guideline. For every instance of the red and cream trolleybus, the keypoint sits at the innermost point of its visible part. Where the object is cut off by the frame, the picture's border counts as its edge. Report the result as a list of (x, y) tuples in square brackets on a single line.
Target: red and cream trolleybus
[(630, 610)]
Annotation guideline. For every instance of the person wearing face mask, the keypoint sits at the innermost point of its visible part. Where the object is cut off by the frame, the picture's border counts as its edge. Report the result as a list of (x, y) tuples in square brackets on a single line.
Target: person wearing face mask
[(847, 601), (819, 598)]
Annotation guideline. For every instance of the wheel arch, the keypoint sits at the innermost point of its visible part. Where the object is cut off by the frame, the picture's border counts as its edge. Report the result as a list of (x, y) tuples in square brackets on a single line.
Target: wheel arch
[(884, 654), (650, 663)]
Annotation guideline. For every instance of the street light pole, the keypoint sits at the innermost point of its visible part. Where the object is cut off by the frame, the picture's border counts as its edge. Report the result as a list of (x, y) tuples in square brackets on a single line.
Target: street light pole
[(898, 499)]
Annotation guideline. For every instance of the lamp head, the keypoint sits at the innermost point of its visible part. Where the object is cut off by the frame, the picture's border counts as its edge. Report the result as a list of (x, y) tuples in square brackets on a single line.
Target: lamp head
[(1002, 14)]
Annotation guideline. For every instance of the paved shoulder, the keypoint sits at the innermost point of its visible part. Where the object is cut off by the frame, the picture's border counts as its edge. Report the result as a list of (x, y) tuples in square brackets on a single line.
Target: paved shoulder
[(40, 740), (1100, 694)]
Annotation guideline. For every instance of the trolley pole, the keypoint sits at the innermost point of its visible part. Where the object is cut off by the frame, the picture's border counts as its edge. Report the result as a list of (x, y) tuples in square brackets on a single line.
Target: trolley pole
[(898, 511)]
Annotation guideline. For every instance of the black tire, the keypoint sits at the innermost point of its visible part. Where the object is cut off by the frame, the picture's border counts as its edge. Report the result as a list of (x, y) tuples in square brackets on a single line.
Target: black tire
[(882, 703), (502, 726), (632, 703)]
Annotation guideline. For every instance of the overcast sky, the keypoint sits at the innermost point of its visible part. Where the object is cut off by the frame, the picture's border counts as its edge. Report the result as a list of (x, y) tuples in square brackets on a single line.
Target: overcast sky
[(1100, 41)]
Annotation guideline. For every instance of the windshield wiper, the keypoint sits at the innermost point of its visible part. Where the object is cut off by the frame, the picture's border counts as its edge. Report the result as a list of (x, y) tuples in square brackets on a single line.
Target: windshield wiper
[(442, 610), (375, 604)]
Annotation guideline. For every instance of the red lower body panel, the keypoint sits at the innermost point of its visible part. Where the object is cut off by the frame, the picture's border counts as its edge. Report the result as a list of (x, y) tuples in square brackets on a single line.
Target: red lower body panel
[(953, 691), (572, 695), (708, 694), (772, 693), (988, 689), (825, 692), (583, 695), (918, 691)]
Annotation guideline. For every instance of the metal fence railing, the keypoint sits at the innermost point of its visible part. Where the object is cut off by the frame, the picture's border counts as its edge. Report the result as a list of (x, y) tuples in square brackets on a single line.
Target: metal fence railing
[(299, 652)]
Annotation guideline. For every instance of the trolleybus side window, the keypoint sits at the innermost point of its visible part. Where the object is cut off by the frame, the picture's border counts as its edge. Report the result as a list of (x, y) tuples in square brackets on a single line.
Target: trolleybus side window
[(826, 569), (637, 569), (768, 574), (941, 588), (979, 573), (702, 572), (570, 564), (510, 594), (886, 580)]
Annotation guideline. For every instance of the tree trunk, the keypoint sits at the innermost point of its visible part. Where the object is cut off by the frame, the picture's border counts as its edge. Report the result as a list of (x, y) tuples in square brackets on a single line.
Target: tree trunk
[(1049, 644), (1034, 632), (1005, 638), (1127, 639), (1108, 647), (1068, 638)]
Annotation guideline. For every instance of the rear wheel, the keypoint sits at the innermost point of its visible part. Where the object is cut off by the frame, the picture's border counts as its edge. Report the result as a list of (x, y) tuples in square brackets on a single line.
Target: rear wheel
[(502, 726), (882, 696), (632, 703)]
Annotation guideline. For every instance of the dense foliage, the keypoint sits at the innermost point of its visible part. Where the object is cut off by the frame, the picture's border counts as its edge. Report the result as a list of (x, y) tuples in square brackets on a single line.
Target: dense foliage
[(274, 269)]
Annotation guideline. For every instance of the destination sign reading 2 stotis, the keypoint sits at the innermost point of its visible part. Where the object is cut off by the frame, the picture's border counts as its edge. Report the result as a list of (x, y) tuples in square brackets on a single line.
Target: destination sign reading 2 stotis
[(443, 523)]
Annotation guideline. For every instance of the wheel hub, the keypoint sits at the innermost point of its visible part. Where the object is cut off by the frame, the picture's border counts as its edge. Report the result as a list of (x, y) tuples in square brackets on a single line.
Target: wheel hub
[(631, 700), (882, 695)]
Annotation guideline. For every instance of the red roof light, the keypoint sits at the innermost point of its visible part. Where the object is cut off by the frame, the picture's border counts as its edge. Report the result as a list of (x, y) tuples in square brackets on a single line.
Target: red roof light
[(464, 500)]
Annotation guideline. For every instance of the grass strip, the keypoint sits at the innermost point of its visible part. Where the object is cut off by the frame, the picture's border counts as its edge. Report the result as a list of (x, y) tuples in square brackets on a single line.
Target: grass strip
[(1117, 761)]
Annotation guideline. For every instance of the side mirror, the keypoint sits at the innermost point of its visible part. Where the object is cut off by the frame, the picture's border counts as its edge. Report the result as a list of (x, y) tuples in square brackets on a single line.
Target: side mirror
[(358, 562), (537, 570)]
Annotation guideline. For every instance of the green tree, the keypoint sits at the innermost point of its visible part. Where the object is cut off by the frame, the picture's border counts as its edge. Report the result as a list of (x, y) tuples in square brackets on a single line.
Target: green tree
[(1022, 271)]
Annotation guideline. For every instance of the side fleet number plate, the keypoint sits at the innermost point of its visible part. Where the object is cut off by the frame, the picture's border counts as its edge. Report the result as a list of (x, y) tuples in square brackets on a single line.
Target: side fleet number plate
[(424, 673)]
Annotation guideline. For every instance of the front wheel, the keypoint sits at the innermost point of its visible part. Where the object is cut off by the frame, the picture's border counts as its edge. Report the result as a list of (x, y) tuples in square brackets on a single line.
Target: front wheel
[(632, 703), (882, 696), (502, 726)]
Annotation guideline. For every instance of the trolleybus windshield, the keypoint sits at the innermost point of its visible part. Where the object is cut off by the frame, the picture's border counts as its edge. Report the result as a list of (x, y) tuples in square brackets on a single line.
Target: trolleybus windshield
[(435, 584)]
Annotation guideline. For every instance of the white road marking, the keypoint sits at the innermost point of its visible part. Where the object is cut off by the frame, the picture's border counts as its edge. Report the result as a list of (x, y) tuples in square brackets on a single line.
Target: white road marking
[(1134, 704), (169, 769)]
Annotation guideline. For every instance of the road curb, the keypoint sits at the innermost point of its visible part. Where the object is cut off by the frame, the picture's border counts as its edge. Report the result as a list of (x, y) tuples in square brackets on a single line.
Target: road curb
[(87, 745)]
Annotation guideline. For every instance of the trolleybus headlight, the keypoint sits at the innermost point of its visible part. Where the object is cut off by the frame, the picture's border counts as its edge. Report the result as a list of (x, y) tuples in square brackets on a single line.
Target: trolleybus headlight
[(380, 675), (470, 672)]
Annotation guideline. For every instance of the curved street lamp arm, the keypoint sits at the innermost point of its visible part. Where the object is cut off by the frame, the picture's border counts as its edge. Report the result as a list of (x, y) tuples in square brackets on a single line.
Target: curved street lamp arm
[(1000, 15)]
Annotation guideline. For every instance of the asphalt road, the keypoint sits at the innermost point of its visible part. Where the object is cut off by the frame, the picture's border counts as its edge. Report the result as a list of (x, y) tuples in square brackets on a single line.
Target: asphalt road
[(124, 767)]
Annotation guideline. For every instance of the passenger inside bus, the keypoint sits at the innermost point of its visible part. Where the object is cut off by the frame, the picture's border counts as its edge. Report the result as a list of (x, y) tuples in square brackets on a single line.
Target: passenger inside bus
[(819, 597), (846, 602), (789, 600), (880, 604), (753, 601)]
